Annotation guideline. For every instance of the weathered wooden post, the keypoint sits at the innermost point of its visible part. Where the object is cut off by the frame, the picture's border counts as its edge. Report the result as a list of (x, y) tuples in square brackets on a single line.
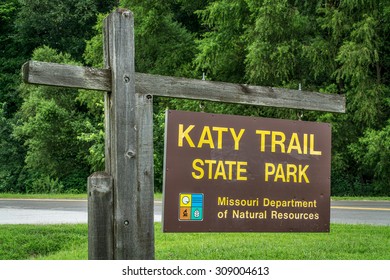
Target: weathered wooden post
[(100, 217), (129, 143)]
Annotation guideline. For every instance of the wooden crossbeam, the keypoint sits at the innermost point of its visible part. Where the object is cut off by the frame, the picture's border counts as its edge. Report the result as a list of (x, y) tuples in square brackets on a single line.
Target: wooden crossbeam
[(64, 75), (44, 73)]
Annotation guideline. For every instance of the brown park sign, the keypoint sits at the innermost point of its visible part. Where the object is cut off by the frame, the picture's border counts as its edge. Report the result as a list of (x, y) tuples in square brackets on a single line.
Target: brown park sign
[(228, 173)]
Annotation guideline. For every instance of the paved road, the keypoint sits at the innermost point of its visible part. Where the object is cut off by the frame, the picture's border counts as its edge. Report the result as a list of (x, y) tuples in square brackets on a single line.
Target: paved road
[(360, 212), (42, 211), (75, 211)]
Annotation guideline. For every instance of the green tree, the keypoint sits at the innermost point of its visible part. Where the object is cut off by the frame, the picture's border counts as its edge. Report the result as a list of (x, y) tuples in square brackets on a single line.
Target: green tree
[(358, 32), (11, 156), (11, 150), (49, 122), (330, 46), (24, 26), (372, 153), (222, 48), (60, 24)]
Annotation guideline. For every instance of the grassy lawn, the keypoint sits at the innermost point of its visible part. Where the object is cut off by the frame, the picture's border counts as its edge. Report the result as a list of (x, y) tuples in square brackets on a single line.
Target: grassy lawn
[(383, 198), (344, 242), (43, 196)]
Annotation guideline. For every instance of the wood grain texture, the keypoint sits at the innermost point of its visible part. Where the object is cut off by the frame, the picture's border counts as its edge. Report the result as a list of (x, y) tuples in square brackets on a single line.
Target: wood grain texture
[(155, 85), (100, 217), (63, 75), (133, 205), (238, 93)]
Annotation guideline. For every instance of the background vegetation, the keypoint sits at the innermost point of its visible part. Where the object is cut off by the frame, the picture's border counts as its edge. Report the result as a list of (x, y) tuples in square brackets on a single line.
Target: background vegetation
[(51, 139)]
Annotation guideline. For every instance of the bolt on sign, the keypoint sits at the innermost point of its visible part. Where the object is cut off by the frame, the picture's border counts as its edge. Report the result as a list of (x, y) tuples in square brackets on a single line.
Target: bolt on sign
[(227, 173)]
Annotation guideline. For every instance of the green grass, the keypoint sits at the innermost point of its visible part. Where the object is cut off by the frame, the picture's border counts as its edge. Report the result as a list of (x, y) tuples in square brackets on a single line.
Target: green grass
[(344, 242), (43, 196), (387, 198), (39, 241)]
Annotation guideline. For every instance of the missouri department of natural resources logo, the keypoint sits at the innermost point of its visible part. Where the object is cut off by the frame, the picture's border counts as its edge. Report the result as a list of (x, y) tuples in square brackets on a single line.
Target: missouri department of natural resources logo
[(191, 206)]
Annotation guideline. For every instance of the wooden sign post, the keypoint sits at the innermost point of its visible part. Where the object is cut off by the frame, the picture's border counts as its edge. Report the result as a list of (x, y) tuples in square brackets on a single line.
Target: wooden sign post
[(129, 143), (120, 206)]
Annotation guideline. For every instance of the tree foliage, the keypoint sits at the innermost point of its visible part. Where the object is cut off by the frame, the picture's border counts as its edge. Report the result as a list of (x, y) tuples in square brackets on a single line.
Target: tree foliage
[(11, 150), (63, 25), (24, 26), (49, 121), (332, 46)]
